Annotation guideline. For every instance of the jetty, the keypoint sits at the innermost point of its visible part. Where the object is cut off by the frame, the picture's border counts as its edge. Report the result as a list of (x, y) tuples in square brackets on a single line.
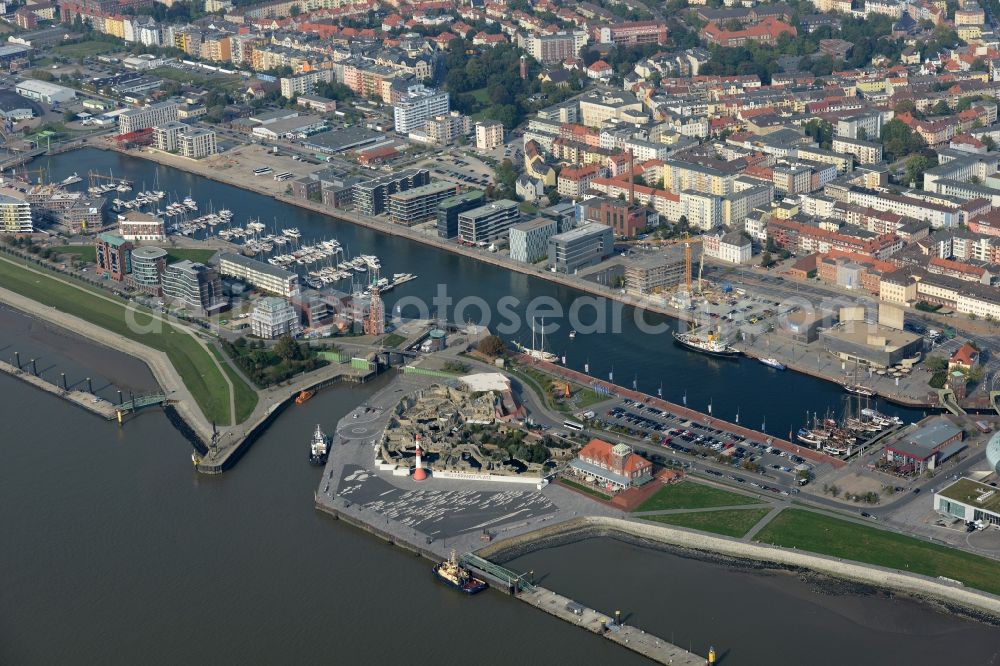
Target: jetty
[(88, 401)]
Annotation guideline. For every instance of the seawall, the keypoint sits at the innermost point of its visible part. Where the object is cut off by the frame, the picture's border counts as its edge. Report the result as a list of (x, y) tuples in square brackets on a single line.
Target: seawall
[(880, 577)]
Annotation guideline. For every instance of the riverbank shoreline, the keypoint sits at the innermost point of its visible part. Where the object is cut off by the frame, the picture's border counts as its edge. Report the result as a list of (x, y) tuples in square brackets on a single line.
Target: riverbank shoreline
[(159, 365), (982, 606)]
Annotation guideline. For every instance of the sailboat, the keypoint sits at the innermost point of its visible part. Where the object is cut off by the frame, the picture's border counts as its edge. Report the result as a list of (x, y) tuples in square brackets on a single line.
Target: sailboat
[(856, 387), (540, 352)]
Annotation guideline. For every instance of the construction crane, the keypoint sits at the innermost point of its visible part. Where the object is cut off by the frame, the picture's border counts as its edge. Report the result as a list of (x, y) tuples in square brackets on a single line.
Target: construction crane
[(688, 269), (701, 267)]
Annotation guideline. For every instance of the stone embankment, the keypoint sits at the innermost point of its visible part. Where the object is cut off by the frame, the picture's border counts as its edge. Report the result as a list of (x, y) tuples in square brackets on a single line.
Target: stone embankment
[(880, 577)]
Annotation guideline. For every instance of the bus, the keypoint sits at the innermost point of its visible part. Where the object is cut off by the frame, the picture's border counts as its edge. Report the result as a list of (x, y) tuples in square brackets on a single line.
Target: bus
[(572, 425), (283, 176)]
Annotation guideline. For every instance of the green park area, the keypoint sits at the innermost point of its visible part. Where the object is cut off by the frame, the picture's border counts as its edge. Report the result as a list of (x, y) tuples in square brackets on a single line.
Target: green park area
[(88, 253), (192, 362), (85, 49), (584, 489), (692, 495), (807, 530), (246, 397), (393, 340), (729, 522)]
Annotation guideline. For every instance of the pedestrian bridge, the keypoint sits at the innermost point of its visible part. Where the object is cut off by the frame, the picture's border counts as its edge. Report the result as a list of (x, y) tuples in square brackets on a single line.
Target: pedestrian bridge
[(140, 401), (511, 578), (950, 402)]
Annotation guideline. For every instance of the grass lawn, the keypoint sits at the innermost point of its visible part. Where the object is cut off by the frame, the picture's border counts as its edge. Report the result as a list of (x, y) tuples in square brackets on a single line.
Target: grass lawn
[(584, 489), (807, 530), (393, 340), (188, 357), (246, 397), (732, 522), (692, 495), (187, 76), (482, 95), (88, 253), (84, 49)]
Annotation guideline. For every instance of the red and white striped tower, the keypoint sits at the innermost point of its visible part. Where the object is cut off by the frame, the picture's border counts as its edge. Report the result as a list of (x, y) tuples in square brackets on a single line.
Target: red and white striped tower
[(419, 473)]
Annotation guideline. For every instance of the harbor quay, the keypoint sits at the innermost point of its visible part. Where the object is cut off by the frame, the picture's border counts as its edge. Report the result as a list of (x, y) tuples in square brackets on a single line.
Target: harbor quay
[(435, 517), (680, 410)]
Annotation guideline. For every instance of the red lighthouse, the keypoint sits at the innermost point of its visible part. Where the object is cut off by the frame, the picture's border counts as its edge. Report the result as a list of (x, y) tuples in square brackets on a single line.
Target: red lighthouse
[(419, 473)]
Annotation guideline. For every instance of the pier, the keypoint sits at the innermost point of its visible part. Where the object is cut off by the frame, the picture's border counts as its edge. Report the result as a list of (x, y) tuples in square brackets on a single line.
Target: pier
[(88, 401), (650, 646)]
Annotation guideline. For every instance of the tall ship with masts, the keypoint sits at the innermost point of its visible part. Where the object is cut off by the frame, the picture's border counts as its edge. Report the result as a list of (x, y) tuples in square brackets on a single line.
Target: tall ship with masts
[(539, 352)]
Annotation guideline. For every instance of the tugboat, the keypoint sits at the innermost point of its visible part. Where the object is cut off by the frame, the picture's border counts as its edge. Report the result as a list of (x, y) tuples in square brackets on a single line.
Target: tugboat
[(773, 363), (454, 574), (303, 396), (711, 345), (319, 449)]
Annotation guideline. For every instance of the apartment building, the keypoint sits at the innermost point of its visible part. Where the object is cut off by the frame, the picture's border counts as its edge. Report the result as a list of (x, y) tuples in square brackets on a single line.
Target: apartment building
[(484, 224), (489, 134), (418, 106), (195, 286), (419, 204), (15, 214), (583, 246), (263, 276), (160, 113), (529, 241)]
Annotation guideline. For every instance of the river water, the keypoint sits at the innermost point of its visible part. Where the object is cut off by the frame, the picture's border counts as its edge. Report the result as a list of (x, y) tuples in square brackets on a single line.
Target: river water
[(116, 551), (651, 360)]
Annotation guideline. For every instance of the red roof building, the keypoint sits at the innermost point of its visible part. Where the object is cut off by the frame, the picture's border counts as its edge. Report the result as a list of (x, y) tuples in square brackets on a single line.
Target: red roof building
[(765, 32), (611, 466), (965, 358)]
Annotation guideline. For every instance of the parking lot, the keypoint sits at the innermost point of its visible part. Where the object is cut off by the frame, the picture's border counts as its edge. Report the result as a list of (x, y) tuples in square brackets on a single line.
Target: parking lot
[(721, 450)]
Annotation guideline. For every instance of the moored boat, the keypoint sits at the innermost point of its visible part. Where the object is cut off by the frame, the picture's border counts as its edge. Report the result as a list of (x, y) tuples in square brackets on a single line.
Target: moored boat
[(303, 396), (711, 345), (773, 363), (859, 389), (319, 448), (457, 576)]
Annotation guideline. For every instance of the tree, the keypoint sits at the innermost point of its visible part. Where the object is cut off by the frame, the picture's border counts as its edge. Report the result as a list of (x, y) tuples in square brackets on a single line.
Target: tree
[(898, 140), (766, 260), (915, 167), (288, 349), (936, 363), (988, 142), (492, 346), (941, 108), (821, 131), (905, 106)]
